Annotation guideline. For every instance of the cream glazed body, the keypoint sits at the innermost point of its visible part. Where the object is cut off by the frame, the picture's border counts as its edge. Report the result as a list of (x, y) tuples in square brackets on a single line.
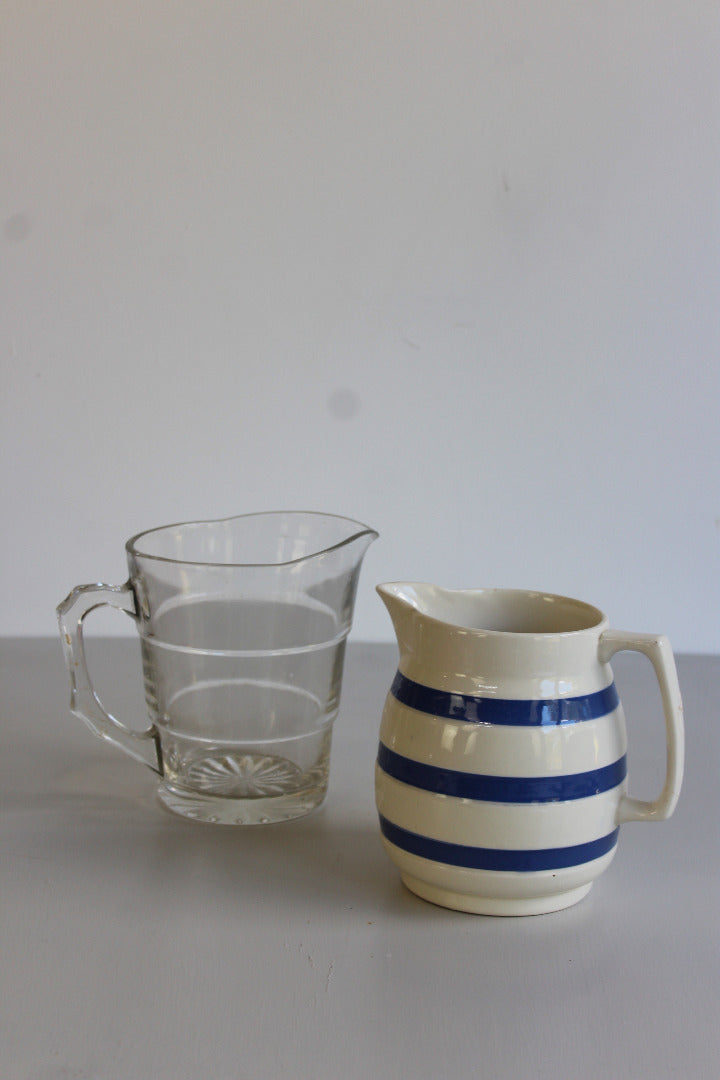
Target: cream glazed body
[(501, 778)]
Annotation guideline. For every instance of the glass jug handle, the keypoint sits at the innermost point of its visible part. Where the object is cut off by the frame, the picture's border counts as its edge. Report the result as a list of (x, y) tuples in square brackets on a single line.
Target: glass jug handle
[(84, 701), (658, 651)]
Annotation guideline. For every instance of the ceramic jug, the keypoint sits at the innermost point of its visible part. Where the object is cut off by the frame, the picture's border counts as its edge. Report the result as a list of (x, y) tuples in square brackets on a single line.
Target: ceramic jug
[(501, 777)]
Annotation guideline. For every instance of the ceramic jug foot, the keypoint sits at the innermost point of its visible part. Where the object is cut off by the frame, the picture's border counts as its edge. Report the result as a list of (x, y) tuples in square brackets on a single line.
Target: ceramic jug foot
[(493, 905)]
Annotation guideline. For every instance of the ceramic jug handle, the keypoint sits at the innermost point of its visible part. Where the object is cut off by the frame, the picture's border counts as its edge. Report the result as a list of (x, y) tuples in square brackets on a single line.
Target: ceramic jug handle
[(84, 701), (659, 652)]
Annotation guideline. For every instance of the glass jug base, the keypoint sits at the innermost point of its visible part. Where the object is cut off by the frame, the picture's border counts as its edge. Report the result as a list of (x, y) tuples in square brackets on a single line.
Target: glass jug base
[(216, 810), (246, 783)]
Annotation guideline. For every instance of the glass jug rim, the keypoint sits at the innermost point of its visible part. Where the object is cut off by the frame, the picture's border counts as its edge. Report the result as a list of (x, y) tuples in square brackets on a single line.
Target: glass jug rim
[(132, 545)]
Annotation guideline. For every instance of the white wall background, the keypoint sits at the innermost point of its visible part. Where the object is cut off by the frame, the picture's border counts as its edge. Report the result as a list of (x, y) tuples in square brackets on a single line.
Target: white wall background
[(449, 267)]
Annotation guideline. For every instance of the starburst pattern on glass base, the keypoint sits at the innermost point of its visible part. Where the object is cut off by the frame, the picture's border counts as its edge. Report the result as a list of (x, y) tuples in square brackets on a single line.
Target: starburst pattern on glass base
[(245, 776)]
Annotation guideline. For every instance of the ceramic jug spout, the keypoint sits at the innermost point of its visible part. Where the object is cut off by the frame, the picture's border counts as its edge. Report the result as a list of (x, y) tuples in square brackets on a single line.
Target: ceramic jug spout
[(409, 605)]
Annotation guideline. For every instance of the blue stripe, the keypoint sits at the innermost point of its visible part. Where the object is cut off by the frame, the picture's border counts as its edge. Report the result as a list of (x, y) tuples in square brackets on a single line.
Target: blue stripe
[(490, 710), (504, 789), (479, 858)]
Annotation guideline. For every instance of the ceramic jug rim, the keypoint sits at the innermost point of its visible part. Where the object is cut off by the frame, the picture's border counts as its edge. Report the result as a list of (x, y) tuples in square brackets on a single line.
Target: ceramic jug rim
[(132, 546), (596, 619)]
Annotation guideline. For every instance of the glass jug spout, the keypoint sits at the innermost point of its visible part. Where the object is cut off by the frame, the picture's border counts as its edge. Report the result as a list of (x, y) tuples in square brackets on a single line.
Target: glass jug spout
[(331, 574)]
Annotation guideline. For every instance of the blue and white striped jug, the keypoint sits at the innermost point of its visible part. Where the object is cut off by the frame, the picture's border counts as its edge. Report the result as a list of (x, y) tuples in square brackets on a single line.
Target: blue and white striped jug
[(501, 778)]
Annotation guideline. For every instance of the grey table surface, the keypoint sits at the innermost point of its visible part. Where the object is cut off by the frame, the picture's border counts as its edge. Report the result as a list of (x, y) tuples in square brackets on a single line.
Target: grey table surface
[(135, 944)]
